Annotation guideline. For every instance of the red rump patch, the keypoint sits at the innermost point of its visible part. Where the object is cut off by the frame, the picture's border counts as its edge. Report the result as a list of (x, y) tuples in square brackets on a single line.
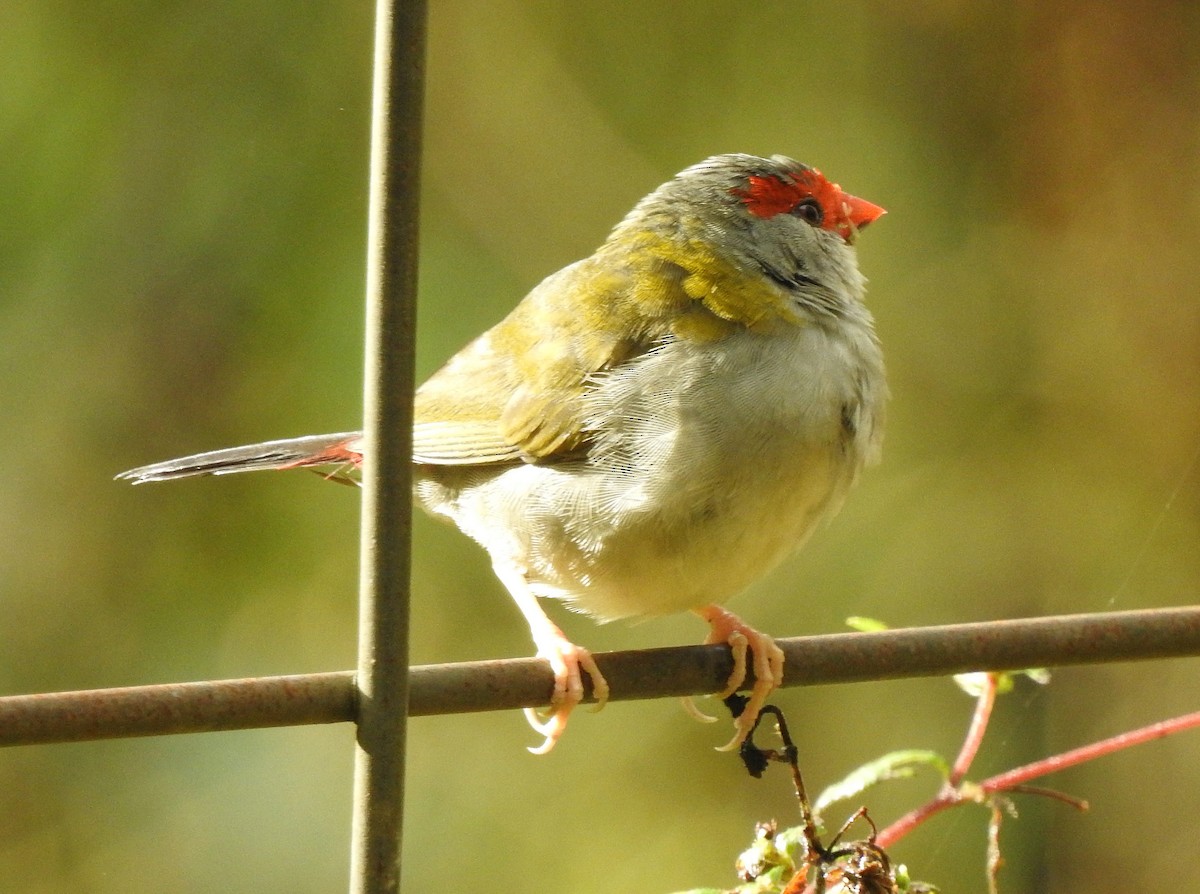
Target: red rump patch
[(766, 195), (337, 453)]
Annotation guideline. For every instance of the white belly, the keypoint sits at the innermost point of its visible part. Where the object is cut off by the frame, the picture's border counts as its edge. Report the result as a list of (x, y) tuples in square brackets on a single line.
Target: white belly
[(710, 464)]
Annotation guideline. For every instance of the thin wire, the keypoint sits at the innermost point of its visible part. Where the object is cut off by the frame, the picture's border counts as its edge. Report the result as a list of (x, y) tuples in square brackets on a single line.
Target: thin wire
[(1140, 558)]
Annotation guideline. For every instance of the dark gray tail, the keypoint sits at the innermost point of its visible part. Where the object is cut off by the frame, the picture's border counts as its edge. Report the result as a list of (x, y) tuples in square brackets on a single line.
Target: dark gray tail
[(291, 453)]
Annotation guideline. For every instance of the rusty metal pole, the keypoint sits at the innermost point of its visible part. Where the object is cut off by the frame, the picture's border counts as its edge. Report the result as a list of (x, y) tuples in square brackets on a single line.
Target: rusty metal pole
[(210, 705), (382, 677)]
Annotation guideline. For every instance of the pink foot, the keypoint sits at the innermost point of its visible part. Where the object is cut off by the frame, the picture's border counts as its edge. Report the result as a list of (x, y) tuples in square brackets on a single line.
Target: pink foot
[(768, 665), (569, 662)]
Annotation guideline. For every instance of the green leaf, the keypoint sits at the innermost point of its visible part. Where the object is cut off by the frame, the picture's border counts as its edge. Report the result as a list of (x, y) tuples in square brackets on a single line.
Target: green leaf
[(894, 765), (865, 625), (972, 684), (975, 682)]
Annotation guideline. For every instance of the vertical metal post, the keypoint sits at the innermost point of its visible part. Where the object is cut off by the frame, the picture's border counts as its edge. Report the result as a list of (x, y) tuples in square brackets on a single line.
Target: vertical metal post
[(382, 678)]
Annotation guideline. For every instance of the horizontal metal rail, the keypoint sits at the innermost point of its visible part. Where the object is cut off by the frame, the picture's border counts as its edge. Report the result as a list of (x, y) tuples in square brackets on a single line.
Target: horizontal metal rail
[(651, 673)]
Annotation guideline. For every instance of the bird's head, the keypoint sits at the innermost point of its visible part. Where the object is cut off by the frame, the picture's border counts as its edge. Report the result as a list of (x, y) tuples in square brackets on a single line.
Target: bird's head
[(733, 216)]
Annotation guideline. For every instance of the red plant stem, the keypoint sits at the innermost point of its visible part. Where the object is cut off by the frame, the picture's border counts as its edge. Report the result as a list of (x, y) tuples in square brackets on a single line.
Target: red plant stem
[(1005, 781), (901, 827), (975, 733), (950, 796)]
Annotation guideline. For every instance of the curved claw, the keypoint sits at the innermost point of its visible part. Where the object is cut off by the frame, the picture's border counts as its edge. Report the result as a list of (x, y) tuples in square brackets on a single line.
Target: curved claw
[(768, 666), (693, 710), (552, 728), (569, 662)]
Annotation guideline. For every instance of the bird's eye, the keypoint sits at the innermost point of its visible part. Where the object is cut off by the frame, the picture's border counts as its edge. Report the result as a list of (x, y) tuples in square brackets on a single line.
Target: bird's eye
[(810, 212)]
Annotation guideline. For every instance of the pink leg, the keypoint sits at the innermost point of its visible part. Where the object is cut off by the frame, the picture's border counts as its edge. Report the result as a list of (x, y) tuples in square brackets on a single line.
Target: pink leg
[(768, 665), (568, 661)]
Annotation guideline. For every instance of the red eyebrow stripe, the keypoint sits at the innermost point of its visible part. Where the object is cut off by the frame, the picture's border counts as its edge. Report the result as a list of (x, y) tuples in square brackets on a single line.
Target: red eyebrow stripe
[(767, 196)]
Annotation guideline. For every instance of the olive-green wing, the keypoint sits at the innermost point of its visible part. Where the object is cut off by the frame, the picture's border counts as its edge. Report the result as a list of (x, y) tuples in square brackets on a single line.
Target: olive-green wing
[(517, 392)]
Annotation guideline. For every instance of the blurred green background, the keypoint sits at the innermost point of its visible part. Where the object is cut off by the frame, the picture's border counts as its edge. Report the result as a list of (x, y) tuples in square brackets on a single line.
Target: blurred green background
[(182, 206)]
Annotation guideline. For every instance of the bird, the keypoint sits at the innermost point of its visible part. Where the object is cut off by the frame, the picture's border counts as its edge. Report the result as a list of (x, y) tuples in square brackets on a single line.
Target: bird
[(656, 426)]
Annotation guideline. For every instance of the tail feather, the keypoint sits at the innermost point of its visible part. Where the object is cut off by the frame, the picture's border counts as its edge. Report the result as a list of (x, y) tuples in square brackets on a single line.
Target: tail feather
[(290, 453)]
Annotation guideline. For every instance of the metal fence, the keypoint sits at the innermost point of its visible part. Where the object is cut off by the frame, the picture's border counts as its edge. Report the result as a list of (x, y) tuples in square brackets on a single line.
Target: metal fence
[(376, 695)]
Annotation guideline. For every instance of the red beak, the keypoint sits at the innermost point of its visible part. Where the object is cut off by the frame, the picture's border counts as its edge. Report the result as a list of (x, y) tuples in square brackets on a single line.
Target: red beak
[(856, 214), (860, 212)]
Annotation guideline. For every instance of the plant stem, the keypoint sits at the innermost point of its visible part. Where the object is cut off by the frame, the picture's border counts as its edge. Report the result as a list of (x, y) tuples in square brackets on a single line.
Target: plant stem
[(975, 733), (1005, 781)]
